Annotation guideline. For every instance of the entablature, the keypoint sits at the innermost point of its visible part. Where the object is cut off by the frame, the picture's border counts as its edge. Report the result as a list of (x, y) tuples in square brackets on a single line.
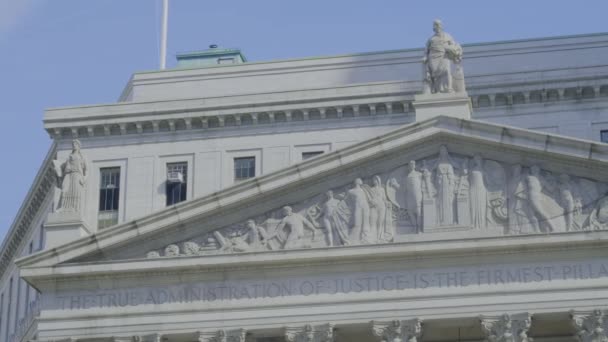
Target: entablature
[(305, 107)]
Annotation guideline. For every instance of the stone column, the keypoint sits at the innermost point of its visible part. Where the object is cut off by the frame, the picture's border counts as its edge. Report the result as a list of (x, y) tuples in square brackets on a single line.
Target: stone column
[(590, 326), (397, 331), (310, 333), (507, 328)]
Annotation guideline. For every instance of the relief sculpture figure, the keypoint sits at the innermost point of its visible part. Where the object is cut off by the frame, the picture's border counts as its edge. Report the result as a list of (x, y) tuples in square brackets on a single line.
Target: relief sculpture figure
[(478, 194), (381, 214), (518, 208), (441, 51), (358, 201), (446, 184), (567, 202), (539, 216), (413, 195), (335, 219), (256, 237), (72, 177), (428, 188), (598, 218), (295, 223)]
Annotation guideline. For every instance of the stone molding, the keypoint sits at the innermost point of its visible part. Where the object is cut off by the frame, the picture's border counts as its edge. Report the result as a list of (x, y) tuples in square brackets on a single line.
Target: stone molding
[(43, 183), (196, 115)]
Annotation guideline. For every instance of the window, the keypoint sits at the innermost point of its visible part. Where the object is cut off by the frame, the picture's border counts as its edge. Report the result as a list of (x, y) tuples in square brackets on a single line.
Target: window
[(177, 182), (308, 155), (604, 136), (109, 192), (244, 168), (41, 238)]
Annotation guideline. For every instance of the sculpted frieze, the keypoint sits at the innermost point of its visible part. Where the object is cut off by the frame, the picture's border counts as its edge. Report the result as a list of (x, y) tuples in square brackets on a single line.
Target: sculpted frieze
[(439, 194)]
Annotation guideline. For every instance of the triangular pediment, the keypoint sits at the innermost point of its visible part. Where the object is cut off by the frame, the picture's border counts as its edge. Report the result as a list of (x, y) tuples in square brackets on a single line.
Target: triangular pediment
[(439, 179)]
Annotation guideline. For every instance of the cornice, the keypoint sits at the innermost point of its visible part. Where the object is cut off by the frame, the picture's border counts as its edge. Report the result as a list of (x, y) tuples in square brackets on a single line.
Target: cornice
[(340, 104), (43, 182), (435, 251)]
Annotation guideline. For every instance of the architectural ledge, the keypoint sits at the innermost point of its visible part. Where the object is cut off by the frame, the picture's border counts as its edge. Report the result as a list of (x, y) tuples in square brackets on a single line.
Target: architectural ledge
[(338, 104), (424, 252)]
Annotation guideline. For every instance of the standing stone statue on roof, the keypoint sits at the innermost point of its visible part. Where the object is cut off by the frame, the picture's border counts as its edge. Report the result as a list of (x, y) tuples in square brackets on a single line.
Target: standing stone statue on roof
[(442, 67), (72, 179)]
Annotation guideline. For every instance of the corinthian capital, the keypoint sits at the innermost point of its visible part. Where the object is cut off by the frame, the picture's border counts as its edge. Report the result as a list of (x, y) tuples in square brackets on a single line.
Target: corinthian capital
[(397, 331), (310, 333), (590, 326), (507, 328), (236, 335)]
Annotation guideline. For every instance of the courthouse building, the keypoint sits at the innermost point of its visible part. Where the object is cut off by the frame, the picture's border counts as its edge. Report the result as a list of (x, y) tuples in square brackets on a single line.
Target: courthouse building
[(443, 193)]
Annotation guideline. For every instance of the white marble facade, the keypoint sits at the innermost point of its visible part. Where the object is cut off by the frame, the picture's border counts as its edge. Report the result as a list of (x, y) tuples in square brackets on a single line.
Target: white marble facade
[(409, 227)]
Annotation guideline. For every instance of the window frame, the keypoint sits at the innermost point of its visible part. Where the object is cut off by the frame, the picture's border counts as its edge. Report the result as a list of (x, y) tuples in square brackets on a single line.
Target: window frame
[(299, 150), (604, 132), (234, 161), (93, 186), (228, 164), (184, 191), (115, 196)]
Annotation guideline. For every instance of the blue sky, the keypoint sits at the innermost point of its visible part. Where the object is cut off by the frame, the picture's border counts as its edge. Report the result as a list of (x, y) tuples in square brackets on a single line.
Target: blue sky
[(70, 52)]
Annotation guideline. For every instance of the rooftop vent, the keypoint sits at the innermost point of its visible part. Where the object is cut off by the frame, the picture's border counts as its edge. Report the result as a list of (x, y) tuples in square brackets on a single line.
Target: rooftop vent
[(213, 56)]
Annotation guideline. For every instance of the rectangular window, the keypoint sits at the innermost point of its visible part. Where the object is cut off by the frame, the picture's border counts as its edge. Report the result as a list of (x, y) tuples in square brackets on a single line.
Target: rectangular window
[(604, 136), (308, 155), (41, 238), (177, 182), (244, 168), (109, 192)]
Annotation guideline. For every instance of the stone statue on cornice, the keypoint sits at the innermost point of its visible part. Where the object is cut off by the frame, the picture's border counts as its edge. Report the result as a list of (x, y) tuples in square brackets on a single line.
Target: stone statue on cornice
[(442, 54), (72, 179)]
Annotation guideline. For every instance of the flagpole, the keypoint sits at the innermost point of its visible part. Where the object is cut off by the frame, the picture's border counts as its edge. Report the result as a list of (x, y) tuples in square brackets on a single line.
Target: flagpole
[(163, 35)]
